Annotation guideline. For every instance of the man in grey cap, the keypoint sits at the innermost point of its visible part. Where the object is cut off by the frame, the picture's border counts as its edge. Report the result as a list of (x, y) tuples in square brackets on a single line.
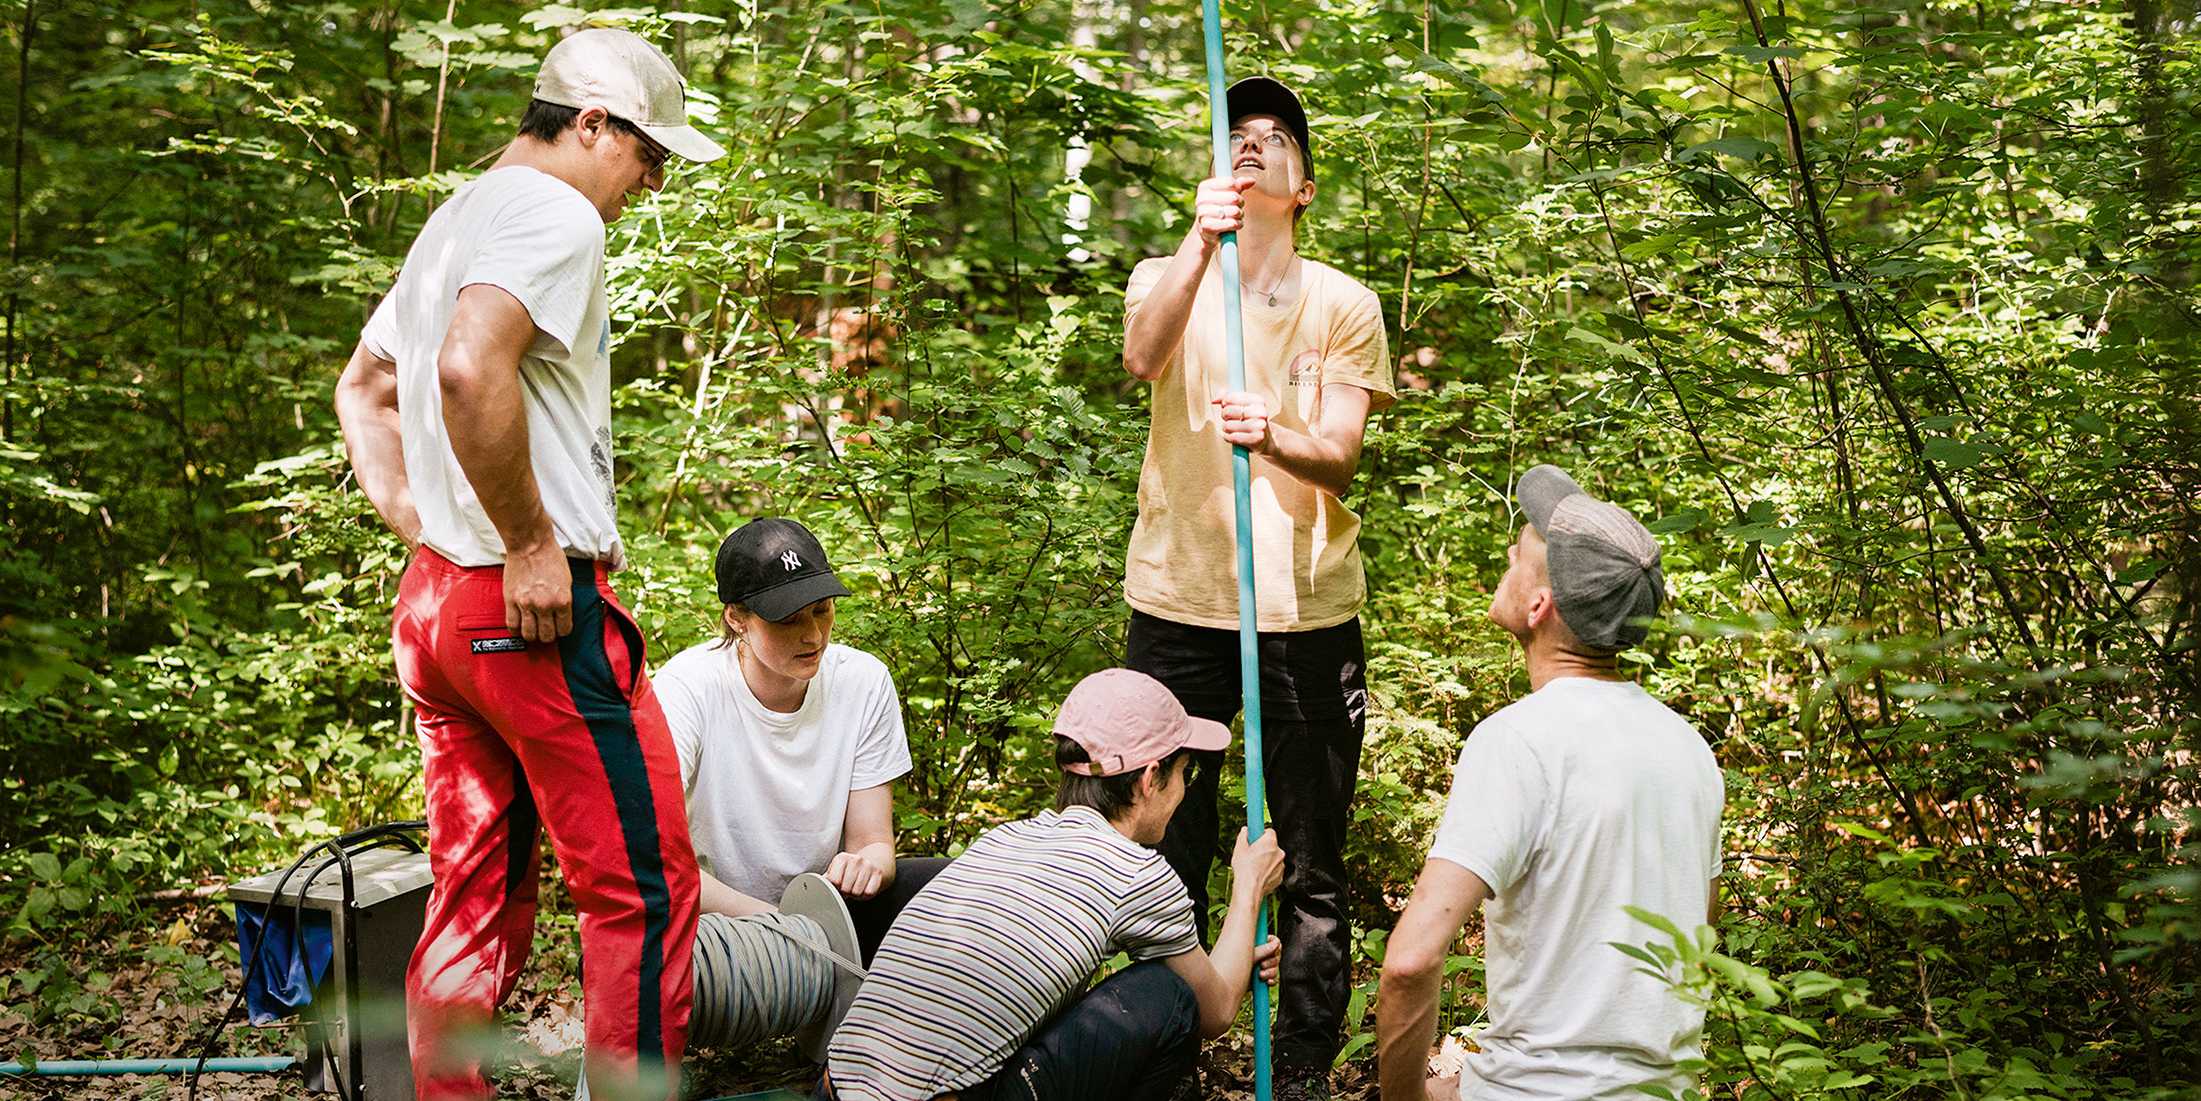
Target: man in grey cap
[(477, 413), (1582, 798)]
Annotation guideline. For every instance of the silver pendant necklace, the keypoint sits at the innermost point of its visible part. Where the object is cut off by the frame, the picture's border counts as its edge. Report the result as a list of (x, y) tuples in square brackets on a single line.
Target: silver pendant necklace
[(1270, 294)]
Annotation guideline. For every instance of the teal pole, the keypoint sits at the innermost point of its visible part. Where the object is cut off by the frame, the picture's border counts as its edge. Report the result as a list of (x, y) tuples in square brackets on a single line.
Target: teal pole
[(1241, 476), (71, 1068)]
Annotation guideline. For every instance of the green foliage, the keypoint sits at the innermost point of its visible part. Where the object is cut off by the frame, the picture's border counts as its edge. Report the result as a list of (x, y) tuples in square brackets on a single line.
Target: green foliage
[(1808, 1034), (1884, 312)]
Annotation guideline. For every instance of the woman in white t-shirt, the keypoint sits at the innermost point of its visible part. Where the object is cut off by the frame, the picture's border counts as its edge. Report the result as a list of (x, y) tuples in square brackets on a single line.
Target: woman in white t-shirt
[(789, 744)]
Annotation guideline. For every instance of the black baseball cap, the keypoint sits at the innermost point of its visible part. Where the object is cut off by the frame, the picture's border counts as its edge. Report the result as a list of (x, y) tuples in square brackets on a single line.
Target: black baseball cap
[(775, 568), (1260, 95)]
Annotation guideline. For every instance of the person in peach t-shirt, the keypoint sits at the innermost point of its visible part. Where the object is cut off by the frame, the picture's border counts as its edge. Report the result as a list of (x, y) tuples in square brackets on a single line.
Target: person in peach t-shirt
[(1317, 363)]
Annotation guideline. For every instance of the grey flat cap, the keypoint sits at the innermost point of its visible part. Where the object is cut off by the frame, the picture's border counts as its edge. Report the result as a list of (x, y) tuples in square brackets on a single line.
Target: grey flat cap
[(1604, 562)]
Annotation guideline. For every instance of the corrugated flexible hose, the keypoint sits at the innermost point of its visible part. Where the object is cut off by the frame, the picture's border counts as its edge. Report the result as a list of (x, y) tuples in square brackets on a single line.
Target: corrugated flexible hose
[(759, 976)]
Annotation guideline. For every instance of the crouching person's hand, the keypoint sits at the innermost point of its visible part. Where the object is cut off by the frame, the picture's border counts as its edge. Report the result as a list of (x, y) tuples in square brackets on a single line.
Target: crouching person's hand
[(1220, 978), (1268, 957)]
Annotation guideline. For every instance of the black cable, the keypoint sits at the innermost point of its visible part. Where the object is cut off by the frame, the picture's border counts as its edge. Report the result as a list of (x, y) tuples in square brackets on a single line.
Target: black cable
[(250, 963), (298, 941), (357, 842), (372, 837), (343, 847)]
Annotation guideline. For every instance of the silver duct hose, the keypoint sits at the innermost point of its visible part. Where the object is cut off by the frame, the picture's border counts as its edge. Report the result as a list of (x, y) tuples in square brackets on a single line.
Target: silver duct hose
[(757, 977)]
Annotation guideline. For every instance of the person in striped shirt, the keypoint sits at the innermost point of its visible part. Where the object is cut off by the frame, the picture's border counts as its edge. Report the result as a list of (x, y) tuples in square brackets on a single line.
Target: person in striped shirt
[(978, 992)]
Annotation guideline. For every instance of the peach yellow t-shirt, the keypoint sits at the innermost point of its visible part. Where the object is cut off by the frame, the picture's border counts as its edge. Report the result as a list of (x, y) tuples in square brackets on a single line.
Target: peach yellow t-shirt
[(1183, 562)]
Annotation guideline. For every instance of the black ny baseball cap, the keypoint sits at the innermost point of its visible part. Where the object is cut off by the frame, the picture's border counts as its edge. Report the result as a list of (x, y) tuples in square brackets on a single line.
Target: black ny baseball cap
[(775, 568), (1260, 95)]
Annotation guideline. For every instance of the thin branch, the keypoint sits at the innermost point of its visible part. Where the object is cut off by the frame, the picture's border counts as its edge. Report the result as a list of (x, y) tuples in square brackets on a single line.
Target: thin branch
[(443, 81), (15, 217)]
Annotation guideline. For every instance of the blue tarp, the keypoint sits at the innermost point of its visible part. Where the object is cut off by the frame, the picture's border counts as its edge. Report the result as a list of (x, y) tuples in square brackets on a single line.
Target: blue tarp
[(283, 981)]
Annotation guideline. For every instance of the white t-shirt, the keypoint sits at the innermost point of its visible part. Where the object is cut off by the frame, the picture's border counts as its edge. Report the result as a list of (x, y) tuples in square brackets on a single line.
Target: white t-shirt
[(542, 242), (1579, 799), (768, 791)]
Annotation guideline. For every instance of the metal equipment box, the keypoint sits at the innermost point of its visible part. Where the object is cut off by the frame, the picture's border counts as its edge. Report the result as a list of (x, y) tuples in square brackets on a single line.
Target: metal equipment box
[(355, 1039)]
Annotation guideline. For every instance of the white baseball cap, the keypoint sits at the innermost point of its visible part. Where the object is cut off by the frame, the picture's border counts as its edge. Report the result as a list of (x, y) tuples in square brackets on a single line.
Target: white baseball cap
[(632, 80)]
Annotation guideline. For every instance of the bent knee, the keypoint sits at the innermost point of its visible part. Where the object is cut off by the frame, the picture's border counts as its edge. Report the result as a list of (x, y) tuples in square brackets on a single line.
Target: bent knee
[(1151, 988)]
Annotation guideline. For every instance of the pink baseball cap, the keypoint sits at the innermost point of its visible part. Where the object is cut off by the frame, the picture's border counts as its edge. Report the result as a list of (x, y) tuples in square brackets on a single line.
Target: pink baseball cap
[(1126, 720)]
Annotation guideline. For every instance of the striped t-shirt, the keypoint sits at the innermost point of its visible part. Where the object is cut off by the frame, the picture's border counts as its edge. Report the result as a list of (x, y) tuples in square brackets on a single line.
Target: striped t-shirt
[(998, 942)]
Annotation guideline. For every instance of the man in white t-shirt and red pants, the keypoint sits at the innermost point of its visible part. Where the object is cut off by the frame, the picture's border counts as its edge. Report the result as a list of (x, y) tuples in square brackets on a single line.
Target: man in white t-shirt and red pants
[(1317, 363), (1581, 799), (477, 413)]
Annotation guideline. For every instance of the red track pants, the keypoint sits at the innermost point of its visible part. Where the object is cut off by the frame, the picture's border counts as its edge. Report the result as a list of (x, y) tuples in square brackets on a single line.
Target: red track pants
[(517, 736)]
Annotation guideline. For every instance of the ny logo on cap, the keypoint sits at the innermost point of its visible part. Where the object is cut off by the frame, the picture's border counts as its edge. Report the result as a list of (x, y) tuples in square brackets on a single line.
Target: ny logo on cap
[(791, 561)]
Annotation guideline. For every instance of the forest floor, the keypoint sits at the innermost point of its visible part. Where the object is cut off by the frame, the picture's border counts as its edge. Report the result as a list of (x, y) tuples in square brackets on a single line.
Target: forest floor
[(146, 1011)]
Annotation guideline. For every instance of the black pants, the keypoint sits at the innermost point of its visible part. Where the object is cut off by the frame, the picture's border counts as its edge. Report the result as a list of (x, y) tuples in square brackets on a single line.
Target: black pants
[(1132, 1038), (1314, 707), (873, 915)]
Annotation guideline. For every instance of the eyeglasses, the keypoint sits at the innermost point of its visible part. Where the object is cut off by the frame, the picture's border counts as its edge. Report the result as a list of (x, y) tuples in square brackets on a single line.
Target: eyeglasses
[(654, 155), (1274, 139)]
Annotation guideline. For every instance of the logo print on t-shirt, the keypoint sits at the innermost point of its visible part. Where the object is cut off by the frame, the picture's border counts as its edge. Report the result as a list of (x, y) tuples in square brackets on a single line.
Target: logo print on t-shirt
[(791, 561), (599, 458), (1306, 369)]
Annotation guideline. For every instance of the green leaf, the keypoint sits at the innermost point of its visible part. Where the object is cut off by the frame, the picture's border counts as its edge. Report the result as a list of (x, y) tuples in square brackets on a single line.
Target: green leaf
[(1581, 335), (2141, 572), (1771, 535), (1761, 54), (1954, 454), (1653, 246), (1353, 1045), (1744, 148), (1801, 1028), (1655, 920)]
